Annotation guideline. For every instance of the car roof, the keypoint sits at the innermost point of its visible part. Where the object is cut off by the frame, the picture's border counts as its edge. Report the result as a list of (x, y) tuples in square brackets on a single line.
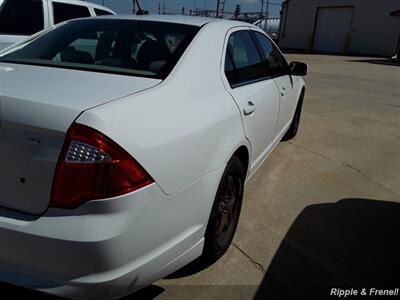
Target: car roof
[(179, 19)]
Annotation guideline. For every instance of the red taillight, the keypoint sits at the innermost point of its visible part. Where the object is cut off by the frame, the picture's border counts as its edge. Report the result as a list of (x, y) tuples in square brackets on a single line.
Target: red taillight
[(92, 166)]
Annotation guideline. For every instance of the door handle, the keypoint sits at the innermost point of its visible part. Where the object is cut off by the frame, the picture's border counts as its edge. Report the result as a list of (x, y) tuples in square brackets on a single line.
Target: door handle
[(249, 109), (283, 91)]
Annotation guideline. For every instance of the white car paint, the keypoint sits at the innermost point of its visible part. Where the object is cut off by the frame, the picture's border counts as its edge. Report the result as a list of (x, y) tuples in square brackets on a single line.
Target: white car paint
[(182, 130), (7, 40)]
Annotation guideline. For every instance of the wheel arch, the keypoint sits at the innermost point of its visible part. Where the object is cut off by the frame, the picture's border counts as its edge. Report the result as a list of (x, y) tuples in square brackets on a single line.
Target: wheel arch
[(303, 91), (301, 95), (244, 156)]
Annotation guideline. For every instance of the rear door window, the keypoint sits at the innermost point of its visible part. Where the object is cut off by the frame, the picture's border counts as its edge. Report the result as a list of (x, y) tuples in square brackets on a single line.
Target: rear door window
[(21, 17), (243, 62), (63, 12)]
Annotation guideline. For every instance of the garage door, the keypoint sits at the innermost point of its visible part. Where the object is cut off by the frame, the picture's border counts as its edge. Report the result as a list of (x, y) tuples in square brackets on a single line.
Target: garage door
[(332, 29)]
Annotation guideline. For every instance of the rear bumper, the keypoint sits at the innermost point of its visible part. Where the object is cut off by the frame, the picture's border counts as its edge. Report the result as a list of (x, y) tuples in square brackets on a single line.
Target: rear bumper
[(117, 287), (107, 248)]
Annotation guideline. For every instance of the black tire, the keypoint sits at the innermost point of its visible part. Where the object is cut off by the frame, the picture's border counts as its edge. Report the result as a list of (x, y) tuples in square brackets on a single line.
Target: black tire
[(294, 126), (225, 212)]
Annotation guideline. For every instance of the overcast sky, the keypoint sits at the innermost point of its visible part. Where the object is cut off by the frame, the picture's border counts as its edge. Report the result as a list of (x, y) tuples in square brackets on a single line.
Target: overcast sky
[(174, 6)]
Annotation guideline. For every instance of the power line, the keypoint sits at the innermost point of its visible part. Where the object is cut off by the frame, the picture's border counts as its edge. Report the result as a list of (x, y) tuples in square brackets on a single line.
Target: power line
[(202, 7), (271, 3)]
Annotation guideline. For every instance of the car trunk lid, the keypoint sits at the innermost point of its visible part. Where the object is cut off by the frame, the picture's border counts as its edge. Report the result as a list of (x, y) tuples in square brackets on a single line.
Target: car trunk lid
[(37, 106)]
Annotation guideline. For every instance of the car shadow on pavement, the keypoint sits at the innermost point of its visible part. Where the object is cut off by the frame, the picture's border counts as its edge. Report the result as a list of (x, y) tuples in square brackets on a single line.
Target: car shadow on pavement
[(353, 243)]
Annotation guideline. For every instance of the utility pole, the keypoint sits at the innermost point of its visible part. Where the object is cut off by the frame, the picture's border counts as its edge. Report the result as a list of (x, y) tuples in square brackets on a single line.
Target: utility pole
[(134, 7), (266, 17), (262, 11), (220, 9), (163, 7), (159, 8)]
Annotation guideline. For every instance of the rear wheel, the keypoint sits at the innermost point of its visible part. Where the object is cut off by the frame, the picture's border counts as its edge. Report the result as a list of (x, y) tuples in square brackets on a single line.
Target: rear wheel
[(294, 126), (225, 213)]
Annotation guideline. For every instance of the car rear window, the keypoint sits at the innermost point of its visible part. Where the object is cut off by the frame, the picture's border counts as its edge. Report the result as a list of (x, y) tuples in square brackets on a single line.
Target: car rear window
[(21, 17), (129, 47)]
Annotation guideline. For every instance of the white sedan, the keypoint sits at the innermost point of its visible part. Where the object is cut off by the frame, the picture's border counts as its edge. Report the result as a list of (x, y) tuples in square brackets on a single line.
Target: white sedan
[(126, 142)]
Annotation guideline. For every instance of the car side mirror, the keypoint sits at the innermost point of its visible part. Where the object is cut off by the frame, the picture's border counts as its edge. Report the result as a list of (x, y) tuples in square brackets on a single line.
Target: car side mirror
[(298, 68)]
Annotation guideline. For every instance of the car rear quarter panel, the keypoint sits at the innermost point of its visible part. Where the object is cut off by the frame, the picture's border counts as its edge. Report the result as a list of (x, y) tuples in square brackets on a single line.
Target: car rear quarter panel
[(185, 127)]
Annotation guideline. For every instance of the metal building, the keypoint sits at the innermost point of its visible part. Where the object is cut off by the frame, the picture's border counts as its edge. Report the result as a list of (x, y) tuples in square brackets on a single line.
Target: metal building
[(341, 26)]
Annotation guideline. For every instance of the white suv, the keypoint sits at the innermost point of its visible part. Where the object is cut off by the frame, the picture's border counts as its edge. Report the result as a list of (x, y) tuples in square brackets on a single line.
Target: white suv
[(22, 18)]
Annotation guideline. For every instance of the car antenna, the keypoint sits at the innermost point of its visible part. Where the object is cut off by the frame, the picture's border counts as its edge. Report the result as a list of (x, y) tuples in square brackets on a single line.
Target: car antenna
[(140, 11)]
